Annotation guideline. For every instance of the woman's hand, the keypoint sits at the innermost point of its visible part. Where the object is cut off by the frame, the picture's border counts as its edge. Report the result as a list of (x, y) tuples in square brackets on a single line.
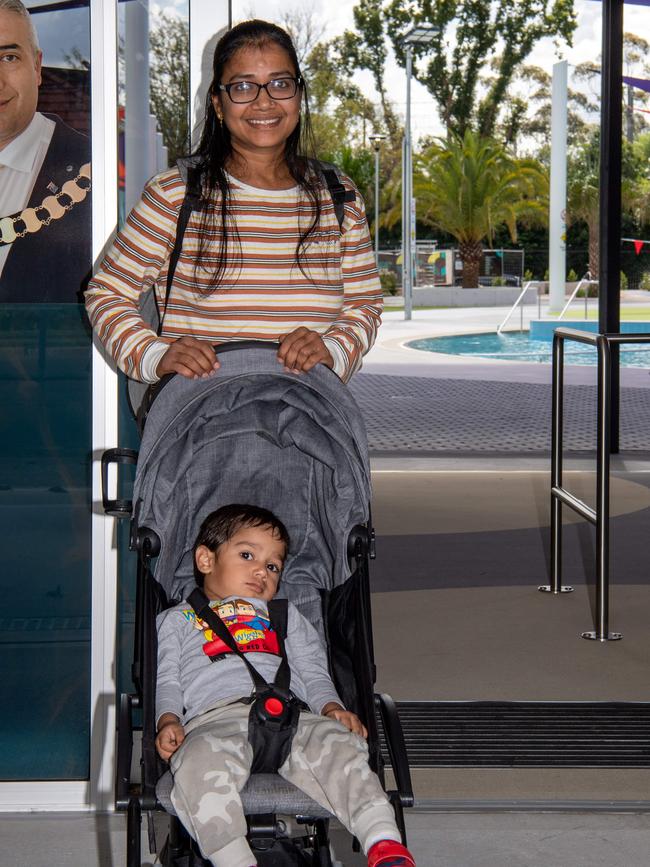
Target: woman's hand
[(302, 349), (190, 357), (350, 720), (171, 735)]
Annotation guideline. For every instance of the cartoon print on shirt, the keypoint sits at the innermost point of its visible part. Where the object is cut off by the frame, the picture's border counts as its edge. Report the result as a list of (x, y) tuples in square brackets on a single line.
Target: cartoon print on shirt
[(250, 628)]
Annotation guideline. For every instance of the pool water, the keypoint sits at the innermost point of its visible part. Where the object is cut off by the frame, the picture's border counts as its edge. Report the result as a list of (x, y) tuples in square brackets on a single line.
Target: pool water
[(518, 346)]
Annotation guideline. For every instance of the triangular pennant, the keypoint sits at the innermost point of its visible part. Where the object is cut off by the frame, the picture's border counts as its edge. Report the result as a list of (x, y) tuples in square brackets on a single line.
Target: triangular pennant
[(638, 246)]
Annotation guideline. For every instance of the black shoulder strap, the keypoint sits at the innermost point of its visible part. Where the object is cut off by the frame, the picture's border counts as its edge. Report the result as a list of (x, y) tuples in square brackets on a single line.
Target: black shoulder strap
[(191, 202), (278, 616), (340, 195)]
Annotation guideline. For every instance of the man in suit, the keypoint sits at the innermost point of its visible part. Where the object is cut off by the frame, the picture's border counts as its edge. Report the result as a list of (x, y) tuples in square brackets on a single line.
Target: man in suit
[(45, 228)]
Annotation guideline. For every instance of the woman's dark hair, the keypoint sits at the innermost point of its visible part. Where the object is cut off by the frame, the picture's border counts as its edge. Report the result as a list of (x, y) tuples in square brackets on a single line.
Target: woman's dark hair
[(221, 525), (215, 148)]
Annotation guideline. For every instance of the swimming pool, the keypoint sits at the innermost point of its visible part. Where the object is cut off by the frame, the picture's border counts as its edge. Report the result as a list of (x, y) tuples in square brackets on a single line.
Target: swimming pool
[(518, 346)]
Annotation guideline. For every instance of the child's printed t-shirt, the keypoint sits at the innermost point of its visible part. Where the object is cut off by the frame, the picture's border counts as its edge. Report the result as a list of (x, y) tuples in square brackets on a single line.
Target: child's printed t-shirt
[(248, 625), (188, 683)]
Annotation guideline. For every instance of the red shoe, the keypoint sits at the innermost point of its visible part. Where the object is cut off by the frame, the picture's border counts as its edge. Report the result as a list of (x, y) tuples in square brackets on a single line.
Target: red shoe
[(388, 853)]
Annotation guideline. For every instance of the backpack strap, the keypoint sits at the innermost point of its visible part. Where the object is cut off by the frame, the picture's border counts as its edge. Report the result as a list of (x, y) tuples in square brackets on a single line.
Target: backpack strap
[(191, 202), (340, 195)]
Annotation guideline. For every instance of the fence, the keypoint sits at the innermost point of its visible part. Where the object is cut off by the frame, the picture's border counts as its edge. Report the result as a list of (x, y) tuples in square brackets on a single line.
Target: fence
[(435, 267)]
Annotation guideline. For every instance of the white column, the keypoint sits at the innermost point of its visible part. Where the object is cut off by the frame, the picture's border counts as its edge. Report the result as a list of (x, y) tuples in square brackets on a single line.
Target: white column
[(208, 21), (136, 109), (407, 266), (557, 205), (103, 55)]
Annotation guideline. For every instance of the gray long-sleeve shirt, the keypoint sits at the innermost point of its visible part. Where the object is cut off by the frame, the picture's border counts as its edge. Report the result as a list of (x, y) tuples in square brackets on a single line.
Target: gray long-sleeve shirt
[(189, 682)]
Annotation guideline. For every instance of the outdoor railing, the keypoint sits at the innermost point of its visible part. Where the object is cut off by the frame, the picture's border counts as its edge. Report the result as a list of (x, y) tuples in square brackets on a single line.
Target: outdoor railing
[(586, 280), (599, 516), (518, 303)]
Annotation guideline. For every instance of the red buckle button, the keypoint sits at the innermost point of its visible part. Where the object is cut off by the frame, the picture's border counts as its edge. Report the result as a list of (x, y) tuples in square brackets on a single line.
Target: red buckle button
[(273, 706)]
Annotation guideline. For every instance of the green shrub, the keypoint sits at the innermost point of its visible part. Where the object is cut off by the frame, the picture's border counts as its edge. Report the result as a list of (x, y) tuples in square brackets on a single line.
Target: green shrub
[(528, 275), (388, 280), (592, 291), (644, 283), (623, 281), (546, 275), (572, 277)]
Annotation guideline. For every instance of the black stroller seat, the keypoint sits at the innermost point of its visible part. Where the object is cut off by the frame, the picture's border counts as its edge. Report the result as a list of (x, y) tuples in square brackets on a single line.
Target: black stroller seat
[(293, 444)]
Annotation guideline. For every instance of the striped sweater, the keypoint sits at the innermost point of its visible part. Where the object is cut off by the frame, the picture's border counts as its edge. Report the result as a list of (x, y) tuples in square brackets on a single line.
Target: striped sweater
[(264, 293)]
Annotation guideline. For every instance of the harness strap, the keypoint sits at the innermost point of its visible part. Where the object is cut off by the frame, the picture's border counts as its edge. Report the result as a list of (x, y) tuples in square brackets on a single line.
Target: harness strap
[(278, 615)]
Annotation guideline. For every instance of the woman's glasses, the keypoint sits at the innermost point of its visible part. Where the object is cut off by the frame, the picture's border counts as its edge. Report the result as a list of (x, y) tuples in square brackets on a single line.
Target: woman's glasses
[(248, 91)]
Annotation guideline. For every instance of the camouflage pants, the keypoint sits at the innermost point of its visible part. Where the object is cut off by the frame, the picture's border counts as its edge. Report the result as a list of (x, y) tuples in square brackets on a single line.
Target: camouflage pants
[(327, 762)]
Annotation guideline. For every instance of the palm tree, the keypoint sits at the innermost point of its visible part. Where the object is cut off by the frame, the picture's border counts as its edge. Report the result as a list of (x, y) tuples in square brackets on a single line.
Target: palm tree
[(583, 189), (469, 186)]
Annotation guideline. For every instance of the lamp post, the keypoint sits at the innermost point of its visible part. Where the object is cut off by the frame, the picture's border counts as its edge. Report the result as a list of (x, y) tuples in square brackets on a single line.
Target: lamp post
[(376, 140), (420, 34)]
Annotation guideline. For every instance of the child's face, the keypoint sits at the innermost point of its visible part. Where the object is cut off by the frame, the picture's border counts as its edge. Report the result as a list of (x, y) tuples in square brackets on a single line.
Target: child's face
[(249, 564)]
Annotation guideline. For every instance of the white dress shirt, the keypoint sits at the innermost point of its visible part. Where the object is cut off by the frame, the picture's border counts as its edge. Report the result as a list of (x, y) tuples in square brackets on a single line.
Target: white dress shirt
[(20, 163)]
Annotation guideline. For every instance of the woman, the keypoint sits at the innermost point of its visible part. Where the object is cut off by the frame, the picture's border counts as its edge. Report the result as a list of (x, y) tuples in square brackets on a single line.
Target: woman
[(264, 258)]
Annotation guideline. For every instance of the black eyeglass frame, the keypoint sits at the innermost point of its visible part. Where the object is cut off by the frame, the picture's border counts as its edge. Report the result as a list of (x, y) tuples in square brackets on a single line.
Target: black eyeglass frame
[(297, 80)]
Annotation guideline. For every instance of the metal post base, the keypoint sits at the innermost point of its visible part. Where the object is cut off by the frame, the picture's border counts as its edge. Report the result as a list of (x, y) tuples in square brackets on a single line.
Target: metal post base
[(546, 588), (594, 636)]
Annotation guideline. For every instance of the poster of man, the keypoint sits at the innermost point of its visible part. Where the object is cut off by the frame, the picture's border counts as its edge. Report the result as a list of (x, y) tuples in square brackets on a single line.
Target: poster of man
[(45, 216)]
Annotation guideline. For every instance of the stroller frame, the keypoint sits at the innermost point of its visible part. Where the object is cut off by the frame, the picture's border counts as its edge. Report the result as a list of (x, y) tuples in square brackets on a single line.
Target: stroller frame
[(137, 796)]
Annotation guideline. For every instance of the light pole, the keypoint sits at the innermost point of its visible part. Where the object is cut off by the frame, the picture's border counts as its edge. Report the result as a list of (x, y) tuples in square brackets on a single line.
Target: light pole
[(377, 139), (420, 34)]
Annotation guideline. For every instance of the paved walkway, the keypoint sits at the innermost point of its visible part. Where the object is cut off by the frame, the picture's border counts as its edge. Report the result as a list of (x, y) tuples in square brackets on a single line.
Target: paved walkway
[(418, 402)]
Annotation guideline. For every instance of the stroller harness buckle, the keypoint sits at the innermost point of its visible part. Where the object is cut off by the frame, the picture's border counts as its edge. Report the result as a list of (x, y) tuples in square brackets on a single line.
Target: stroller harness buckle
[(274, 713)]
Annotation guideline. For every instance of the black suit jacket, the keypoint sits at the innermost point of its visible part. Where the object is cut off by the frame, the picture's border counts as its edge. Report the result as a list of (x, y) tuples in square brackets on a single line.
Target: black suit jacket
[(53, 264)]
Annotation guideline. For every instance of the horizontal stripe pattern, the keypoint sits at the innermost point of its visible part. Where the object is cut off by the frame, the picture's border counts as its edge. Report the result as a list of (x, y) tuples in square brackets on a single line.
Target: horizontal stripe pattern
[(264, 294)]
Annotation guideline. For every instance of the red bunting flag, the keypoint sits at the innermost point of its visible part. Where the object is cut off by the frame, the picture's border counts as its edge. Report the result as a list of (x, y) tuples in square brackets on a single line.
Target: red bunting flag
[(638, 246)]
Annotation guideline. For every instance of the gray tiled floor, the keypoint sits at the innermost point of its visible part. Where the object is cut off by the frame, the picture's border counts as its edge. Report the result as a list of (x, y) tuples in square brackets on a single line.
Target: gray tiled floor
[(505, 839), (415, 414)]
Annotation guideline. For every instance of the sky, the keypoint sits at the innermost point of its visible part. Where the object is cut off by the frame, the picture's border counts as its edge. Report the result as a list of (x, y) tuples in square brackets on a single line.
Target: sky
[(60, 31)]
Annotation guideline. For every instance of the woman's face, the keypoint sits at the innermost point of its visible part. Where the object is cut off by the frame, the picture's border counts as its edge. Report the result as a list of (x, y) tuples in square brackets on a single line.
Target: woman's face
[(266, 123)]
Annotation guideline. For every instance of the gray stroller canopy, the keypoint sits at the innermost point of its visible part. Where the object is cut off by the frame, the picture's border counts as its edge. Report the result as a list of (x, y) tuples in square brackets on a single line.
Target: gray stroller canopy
[(252, 433)]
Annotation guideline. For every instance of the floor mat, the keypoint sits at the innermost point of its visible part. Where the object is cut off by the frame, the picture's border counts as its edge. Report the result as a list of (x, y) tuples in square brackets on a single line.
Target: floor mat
[(526, 734)]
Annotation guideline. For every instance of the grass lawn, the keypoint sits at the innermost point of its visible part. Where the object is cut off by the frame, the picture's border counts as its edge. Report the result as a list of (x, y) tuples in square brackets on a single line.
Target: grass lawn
[(640, 313)]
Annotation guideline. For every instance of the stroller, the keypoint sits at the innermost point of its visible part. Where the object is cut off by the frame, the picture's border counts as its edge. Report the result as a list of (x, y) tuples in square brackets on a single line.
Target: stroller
[(295, 445)]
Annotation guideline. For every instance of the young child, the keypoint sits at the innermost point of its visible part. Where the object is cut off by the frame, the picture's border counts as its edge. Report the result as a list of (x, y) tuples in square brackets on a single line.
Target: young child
[(203, 724)]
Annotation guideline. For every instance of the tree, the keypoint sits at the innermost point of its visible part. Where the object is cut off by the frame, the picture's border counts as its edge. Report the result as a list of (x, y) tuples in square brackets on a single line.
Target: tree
[(305, 30), (479, 30), (469, 186), (169, 82), (583, 189), (526, 111), (366, 48), (341, 115), (636, 57)]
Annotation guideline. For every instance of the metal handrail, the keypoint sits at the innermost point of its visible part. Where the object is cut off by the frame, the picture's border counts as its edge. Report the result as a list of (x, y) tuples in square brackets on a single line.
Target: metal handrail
[(519, 300), (586, 279), (560, 496)]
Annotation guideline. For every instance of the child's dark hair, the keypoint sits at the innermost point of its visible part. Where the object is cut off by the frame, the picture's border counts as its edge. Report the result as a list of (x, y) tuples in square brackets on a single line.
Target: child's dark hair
[(222, 524)]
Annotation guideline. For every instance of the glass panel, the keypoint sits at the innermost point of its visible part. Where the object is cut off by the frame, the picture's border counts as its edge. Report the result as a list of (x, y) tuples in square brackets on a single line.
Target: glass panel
[(45, 392), (154, 132)]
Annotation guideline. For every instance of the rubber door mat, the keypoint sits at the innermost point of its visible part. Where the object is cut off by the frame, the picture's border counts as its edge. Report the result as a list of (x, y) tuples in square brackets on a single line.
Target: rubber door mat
[(525, 734)]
